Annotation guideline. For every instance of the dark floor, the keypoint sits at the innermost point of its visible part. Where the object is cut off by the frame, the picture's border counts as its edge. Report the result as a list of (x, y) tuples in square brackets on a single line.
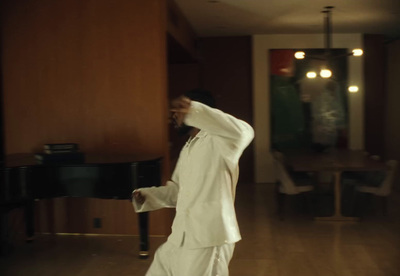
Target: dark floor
[(295, 246)]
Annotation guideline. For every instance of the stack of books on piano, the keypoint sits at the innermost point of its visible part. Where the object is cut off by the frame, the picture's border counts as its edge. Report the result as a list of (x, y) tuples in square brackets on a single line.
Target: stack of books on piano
[(60, 153)]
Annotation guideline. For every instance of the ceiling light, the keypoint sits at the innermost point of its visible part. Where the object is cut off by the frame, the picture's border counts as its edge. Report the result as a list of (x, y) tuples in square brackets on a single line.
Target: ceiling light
[(311, 75), (328, 56), (299, 55), (353, 89), (325, 73)]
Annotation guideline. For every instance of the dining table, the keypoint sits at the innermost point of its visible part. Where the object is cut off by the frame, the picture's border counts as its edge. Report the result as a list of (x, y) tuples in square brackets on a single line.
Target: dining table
[(335, 161)]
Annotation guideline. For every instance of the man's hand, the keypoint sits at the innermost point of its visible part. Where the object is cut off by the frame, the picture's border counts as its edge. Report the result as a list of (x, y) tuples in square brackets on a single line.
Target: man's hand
[(138, 197), (181, 105)]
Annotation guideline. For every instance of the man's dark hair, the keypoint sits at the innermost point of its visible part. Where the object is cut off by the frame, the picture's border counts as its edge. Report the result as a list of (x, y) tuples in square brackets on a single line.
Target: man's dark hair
[(202, 96)]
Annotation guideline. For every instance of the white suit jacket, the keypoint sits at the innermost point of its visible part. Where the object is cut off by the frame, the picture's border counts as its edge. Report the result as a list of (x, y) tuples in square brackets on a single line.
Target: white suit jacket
[(202, 187)]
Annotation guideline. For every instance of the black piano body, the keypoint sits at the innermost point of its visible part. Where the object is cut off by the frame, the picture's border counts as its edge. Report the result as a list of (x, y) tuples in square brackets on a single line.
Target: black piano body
[(97, 176)]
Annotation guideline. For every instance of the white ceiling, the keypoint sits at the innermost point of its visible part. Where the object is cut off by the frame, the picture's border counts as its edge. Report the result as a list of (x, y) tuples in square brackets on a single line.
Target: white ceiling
[(247, 17)]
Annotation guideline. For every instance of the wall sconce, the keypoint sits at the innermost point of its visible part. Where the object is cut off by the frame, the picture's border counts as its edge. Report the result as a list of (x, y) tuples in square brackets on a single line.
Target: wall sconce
[(353, 89), (357, 52)]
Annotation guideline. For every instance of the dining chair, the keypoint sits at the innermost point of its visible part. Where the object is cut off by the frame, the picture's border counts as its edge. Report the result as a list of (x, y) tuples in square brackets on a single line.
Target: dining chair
[(382, 190), (286, 185), (375, 157)]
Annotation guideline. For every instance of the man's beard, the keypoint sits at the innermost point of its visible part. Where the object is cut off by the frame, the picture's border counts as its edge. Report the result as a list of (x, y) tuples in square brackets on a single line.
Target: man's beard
[(184, 130)]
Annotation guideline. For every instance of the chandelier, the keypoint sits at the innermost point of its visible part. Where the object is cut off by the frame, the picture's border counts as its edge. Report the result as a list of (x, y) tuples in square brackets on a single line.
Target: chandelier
[(328, 56)]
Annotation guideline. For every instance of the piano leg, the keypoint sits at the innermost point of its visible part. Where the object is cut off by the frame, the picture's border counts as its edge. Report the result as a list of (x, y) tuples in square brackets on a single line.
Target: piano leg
[(29, 219), (144, 238), (5, 245)]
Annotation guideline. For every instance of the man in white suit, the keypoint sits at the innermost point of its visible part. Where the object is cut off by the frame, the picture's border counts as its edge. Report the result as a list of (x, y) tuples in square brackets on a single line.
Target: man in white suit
[(202, 189)]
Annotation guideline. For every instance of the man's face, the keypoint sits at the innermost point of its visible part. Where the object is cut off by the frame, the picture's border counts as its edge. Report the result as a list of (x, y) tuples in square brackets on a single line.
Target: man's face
[(177, 119), (179, 125), (179, 108)]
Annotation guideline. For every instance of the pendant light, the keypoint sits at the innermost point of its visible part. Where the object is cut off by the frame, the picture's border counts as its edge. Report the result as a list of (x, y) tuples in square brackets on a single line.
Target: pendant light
[(325, 72)]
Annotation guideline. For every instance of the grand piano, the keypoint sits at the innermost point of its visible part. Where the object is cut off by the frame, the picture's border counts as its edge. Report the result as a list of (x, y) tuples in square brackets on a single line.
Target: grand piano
[(97, 176)]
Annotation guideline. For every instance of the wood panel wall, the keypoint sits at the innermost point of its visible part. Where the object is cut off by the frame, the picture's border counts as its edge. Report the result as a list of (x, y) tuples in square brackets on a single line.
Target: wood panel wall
[(375, 93), (180, 29), (392, 110), (91, 72)]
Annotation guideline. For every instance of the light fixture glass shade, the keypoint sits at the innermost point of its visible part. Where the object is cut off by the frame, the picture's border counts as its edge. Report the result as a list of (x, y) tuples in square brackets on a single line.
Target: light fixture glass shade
[(311, 75), (353, 89), (299, 55), (357, 52), (325, 73)]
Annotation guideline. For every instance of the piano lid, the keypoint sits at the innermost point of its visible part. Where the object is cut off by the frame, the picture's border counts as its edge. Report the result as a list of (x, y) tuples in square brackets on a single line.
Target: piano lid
[(28, 159)]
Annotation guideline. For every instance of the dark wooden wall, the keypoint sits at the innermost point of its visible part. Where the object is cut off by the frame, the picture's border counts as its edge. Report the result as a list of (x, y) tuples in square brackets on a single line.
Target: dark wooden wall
[(375, 94), (91, 72), (392, 110)]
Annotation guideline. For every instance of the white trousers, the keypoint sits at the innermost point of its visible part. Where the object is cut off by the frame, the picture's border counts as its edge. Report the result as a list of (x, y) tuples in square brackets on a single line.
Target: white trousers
[(170, 260)]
